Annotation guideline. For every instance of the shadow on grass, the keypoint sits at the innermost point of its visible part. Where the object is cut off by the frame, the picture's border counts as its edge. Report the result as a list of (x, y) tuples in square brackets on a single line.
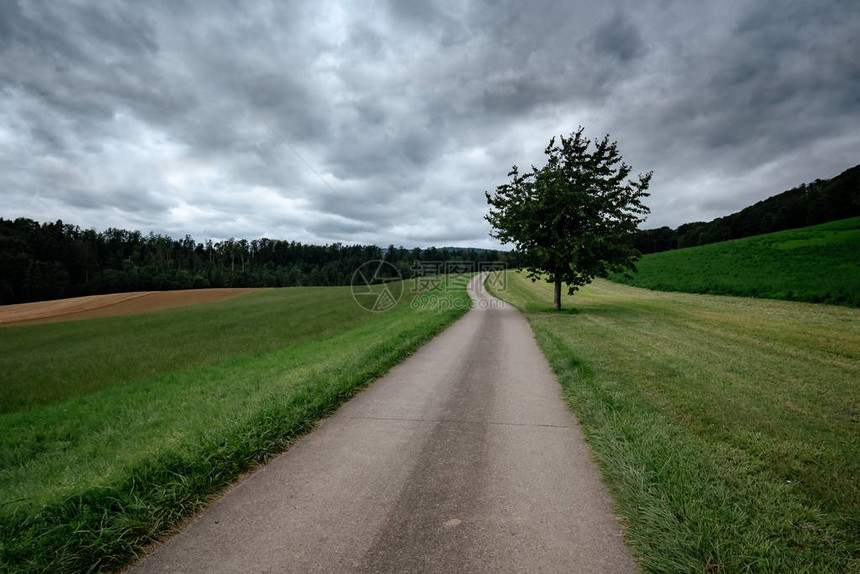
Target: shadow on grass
[(542, 308), (601, 310)]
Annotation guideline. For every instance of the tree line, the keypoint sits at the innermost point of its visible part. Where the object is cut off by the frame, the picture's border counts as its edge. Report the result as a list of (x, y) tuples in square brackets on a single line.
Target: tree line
[(808, 204), (41, 261)]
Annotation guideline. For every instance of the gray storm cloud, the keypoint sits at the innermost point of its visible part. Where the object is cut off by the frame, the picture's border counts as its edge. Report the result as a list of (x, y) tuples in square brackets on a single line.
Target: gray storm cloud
[(180, 117)]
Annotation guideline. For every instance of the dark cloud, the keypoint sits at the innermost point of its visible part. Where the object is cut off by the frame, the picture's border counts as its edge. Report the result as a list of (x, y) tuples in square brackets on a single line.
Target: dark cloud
[(618, 38), (202, 118)]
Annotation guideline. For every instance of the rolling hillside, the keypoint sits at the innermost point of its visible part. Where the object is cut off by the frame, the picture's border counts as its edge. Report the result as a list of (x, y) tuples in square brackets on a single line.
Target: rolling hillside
[(819, 264), (822, 201)]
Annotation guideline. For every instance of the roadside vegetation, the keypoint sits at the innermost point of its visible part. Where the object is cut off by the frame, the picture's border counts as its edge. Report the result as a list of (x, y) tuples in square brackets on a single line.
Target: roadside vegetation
[(816, 264), (193, 398), (727, 428)]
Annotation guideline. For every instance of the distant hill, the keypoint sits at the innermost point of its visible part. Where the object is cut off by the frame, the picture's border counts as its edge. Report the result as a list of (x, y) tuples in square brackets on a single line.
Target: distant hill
[(808, 204), (460, 249), (816, 264)]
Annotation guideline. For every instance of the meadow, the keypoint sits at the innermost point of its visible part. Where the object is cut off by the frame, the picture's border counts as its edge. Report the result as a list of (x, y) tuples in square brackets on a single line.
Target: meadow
[(814, 264), (728, 429), (46, 363), (116, 430)]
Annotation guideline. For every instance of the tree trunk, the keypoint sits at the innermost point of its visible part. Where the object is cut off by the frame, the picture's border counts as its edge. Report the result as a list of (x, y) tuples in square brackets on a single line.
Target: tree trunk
[(556, 299)]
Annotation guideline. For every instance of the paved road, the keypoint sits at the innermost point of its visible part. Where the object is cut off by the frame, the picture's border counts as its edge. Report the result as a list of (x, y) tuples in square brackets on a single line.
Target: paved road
[(461, 459)]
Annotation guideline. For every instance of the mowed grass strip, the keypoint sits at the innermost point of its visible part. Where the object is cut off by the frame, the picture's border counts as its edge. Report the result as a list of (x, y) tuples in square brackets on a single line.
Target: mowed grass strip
[(42, 364), (814, 264), (727, 428), (87, 482)]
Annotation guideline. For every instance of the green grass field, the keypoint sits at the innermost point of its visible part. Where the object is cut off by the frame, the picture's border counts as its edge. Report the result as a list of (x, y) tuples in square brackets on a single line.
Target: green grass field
[(117, 429), (727, 428), (98, 354), (814, 264)]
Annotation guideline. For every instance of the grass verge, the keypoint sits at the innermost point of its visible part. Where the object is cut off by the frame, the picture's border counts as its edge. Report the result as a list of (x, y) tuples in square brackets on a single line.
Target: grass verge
[(728, 429), (818, 264), (87, 482)]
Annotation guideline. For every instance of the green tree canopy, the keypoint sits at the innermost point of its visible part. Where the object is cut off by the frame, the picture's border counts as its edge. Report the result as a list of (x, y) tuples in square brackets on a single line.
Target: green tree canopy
[(574, 218)]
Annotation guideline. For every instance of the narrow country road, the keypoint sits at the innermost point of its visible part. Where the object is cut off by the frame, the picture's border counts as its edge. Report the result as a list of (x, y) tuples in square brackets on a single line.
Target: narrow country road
[(461, 459)]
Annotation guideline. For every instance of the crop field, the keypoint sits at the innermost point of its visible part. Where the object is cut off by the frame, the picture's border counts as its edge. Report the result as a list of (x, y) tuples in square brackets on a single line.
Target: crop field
[(114, 430), (109, 352), (815, 264), (727, 428), (111, 305)]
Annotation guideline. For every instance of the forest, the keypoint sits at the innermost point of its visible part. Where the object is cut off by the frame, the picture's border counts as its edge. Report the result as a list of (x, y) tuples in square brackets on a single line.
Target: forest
[(808, 204), (42, 261)]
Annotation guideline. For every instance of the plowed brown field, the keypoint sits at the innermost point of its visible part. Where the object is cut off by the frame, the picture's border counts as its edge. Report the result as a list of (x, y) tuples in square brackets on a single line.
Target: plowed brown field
[(112, 305)]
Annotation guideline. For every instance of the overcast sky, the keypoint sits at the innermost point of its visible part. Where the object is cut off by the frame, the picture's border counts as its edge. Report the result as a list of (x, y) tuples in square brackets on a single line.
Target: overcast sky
[(382, 123)]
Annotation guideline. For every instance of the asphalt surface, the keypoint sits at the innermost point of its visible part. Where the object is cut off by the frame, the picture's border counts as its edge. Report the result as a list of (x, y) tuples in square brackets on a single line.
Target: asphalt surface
[(461, 459)]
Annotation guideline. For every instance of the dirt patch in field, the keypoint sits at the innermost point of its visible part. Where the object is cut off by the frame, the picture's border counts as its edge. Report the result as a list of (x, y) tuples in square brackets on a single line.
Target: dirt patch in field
[(113, 305)]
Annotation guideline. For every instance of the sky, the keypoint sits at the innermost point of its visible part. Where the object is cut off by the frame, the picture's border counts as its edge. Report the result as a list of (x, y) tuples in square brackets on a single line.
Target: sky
[(386, 122)]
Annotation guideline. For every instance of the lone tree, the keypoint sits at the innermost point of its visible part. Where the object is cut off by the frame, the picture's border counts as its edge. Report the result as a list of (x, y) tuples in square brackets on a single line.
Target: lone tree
[(574, 218)]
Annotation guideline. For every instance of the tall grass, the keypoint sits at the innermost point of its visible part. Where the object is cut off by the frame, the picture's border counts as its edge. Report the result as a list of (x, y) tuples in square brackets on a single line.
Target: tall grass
[(819, 264), (727, 428), (85, 483)]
